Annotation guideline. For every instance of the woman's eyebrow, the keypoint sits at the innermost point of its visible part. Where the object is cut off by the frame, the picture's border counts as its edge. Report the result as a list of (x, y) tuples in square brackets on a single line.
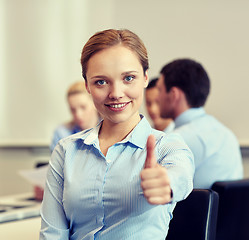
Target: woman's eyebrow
[(129, 72), (98, 77)]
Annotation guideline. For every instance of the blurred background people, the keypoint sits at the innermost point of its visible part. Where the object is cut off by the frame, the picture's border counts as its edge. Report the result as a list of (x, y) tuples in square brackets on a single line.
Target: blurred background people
[(84, 116), (84, 113), (183, 89), (153, 109)]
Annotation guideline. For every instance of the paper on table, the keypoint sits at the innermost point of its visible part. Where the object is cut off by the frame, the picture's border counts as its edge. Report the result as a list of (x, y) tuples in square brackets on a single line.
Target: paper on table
[(36, 176)]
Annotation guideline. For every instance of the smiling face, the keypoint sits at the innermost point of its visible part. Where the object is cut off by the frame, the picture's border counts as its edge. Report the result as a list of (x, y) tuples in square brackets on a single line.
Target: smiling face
[(116, 81)]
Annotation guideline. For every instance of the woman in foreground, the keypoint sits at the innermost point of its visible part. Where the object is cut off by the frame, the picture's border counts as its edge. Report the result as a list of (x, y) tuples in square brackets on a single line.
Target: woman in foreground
[(121, 179)]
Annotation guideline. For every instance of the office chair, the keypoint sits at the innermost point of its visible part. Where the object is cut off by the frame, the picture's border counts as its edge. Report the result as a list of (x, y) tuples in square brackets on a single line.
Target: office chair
[(195, 217), (233, 213)]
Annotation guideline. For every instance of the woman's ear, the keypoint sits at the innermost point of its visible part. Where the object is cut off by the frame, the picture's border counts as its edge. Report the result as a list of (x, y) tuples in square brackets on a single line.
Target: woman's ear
[(146, 77)]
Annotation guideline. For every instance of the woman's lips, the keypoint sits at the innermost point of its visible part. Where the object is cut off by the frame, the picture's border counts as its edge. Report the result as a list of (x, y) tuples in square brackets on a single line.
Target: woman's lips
[(117, 106)]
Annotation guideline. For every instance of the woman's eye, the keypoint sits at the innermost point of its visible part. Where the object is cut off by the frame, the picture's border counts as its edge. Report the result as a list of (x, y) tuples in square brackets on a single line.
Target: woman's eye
[(129, 78), (100, 82)]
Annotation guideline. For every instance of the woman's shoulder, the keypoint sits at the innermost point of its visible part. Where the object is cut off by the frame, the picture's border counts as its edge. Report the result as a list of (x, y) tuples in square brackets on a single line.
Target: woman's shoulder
[(171, 139)]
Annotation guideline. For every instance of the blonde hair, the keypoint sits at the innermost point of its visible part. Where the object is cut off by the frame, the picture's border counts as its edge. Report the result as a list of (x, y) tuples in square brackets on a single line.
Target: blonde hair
[(111, 37), (77, 87)]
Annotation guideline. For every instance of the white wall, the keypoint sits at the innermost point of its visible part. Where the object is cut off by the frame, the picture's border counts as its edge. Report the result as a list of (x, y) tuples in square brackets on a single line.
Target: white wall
[(41, 43)]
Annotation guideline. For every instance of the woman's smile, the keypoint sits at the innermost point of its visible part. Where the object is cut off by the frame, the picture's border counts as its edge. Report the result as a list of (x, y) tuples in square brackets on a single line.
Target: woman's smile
[(117, 106)]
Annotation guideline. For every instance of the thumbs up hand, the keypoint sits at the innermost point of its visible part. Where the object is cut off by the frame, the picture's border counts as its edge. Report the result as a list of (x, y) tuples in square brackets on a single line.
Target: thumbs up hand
[(154, 178)]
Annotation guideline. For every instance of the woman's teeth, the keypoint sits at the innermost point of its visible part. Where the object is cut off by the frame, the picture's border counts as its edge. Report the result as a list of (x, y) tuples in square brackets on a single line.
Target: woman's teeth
[(117, 105)]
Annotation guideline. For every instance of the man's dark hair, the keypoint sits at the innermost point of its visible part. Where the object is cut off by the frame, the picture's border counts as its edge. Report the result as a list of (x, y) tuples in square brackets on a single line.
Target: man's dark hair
[(152, 83), (190, 77)]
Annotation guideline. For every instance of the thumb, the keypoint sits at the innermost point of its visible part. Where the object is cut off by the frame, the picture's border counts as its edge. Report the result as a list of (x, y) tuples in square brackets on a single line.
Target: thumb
[(150, 161)]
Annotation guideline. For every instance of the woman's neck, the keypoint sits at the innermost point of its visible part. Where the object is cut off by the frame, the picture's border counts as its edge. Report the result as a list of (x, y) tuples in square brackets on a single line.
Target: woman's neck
[(111, 133)]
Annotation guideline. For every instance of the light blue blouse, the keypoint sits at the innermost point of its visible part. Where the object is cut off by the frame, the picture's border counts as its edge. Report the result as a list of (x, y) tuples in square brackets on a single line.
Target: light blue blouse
[(216, 150), (90, 196)]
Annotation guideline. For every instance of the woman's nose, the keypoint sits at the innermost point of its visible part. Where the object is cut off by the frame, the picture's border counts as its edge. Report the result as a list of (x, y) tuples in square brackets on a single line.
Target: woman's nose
[(116, 91)]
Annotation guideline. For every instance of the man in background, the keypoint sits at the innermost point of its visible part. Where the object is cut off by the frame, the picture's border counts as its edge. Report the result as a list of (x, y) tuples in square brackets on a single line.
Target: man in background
[(183, 90)]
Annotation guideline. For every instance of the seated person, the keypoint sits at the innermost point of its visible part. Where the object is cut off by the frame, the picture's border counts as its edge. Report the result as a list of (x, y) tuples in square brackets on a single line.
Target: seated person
[(183, 89), (83, 112), (84, 116), (153, 109)]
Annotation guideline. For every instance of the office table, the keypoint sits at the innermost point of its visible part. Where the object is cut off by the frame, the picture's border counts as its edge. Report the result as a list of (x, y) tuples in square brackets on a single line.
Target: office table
[(27, 229), (19, 217)]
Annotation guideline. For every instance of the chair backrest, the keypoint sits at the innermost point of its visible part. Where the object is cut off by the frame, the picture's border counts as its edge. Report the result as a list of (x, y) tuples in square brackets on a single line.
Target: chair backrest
[(233, 213), (195, 217)]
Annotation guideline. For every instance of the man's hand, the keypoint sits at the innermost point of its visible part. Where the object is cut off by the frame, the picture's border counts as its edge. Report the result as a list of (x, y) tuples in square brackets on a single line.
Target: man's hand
[(154, 178)]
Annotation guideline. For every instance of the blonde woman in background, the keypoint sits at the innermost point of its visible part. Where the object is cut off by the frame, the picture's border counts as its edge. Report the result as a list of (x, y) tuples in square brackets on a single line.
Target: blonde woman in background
[(83, 112), (84, 116)]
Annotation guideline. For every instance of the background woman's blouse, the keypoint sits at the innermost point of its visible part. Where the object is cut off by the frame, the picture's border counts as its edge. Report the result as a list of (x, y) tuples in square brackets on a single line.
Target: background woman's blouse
[(63, 131), (90, 196)]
